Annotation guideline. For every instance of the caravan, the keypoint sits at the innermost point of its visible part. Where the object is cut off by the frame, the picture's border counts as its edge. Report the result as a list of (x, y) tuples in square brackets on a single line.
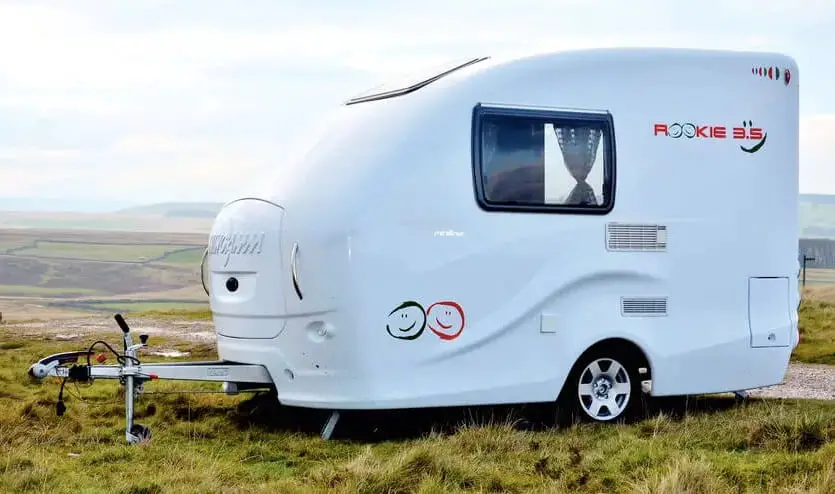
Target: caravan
[(561, 227)]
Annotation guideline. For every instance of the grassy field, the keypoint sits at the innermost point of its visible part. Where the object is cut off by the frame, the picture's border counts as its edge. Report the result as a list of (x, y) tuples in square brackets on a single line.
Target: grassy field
[(816, 277), (817, 333), (217, 443), (83, 270), (40, 291), (101, 252), (184, 258), (249, 444), (129, 307)]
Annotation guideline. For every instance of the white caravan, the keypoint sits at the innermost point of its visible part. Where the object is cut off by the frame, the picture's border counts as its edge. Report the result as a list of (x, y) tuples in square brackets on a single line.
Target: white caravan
[(559, 227)]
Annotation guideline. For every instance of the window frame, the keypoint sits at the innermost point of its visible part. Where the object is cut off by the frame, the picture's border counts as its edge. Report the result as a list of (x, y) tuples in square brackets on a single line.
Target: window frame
[(546, 115)]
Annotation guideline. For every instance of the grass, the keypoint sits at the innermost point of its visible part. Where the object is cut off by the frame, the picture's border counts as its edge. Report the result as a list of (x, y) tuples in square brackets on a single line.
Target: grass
[(817, 333), (188, 258), (169, 310), (98, 262), (214, 443), (98, 252), (41, 291), (161, 307), (217, 443), (12, 243)]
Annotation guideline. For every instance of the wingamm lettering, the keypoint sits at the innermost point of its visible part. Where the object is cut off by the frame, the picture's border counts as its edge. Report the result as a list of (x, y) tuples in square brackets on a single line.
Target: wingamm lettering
[(236, 244)]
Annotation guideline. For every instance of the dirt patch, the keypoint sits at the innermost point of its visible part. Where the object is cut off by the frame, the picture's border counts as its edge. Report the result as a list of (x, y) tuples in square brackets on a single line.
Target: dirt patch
[(803, 381)]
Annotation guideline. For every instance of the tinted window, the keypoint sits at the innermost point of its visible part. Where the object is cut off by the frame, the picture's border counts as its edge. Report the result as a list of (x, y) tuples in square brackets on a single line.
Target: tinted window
[(544, 160)]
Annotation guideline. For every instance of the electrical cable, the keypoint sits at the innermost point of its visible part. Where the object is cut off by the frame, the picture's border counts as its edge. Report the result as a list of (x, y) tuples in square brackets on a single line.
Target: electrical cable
[(119, 358)]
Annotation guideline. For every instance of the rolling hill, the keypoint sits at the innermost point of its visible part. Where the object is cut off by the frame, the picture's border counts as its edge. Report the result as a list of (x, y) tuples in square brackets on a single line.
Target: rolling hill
[(176, 209)]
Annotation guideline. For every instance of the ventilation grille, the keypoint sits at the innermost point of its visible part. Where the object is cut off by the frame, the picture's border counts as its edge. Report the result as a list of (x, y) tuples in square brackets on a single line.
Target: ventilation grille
[(636, 237), (643, 306)]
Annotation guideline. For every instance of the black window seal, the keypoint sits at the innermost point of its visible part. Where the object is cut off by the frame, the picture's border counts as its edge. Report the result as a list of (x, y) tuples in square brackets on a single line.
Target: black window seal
[(414, 87), (546, 114)]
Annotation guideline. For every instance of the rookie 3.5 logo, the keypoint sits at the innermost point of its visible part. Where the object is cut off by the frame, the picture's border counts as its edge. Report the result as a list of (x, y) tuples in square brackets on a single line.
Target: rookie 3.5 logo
[(689, 130)]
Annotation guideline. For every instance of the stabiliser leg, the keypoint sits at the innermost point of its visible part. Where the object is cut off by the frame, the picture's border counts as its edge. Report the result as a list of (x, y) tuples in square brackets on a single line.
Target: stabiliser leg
[(134, 433), (330, 425)]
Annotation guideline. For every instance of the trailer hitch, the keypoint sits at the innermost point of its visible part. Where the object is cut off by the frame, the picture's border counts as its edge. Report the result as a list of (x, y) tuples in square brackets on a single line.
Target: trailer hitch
[(133, 374)]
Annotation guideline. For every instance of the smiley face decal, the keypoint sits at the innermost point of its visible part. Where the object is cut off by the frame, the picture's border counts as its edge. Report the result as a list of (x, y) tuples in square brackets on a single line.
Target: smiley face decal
[(753, 133), (409, 319), (445, 319)]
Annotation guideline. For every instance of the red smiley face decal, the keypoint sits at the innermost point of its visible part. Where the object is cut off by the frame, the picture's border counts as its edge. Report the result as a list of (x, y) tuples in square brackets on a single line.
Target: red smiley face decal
[(445, 319)]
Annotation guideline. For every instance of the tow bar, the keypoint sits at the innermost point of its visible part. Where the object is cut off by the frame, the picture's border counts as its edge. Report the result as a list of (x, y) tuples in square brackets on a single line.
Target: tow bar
[(133, 374)]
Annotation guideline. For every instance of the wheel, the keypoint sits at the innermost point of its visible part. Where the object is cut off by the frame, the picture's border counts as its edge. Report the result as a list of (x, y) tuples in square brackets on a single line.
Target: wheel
[(603, 386)]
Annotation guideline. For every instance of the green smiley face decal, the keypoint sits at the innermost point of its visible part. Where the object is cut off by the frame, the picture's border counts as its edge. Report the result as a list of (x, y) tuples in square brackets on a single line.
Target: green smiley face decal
[(754, 133), (407, 321)]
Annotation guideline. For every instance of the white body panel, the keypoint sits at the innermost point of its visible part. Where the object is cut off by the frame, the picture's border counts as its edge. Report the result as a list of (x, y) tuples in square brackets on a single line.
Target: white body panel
[(383, 211)]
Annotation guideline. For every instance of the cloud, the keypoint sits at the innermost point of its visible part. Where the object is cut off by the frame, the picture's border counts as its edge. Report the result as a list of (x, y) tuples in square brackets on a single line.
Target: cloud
[(817, 154), (158, 100)]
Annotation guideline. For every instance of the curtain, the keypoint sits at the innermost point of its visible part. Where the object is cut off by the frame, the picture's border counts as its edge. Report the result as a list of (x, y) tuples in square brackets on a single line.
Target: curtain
[(579, 150)]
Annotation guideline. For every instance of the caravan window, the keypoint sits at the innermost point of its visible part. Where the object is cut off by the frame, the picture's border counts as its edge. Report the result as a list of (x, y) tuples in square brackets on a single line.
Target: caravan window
[(544, 160)]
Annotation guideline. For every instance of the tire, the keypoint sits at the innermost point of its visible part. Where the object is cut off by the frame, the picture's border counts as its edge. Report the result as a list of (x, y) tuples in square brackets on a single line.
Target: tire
[(604, 386)]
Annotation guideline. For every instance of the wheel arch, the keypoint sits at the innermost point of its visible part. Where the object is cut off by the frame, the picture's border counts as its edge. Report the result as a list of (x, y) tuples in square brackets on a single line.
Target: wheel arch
[(618, 345)]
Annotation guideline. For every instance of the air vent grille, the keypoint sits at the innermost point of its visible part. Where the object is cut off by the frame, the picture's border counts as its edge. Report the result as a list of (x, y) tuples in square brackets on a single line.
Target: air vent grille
[(643, 306), (636, 237)]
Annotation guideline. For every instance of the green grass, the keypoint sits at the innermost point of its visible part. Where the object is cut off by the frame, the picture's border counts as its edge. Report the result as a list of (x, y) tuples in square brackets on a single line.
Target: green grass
[(42, 291), (97, 252), (203, 314), (217, 443), (5, 244), (188, 259), (817, 333), (159, 307)]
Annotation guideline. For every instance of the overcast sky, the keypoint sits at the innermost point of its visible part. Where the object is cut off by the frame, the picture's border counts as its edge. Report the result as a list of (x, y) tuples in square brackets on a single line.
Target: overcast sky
[(157, 100)]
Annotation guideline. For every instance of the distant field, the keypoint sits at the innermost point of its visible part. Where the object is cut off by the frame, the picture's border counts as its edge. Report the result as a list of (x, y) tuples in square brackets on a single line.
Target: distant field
[(13, 243), (129, 306), (41, 291), (820, 276), (189, 258), (153, 306), (76, 270), (84, 270), (101, 252)]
